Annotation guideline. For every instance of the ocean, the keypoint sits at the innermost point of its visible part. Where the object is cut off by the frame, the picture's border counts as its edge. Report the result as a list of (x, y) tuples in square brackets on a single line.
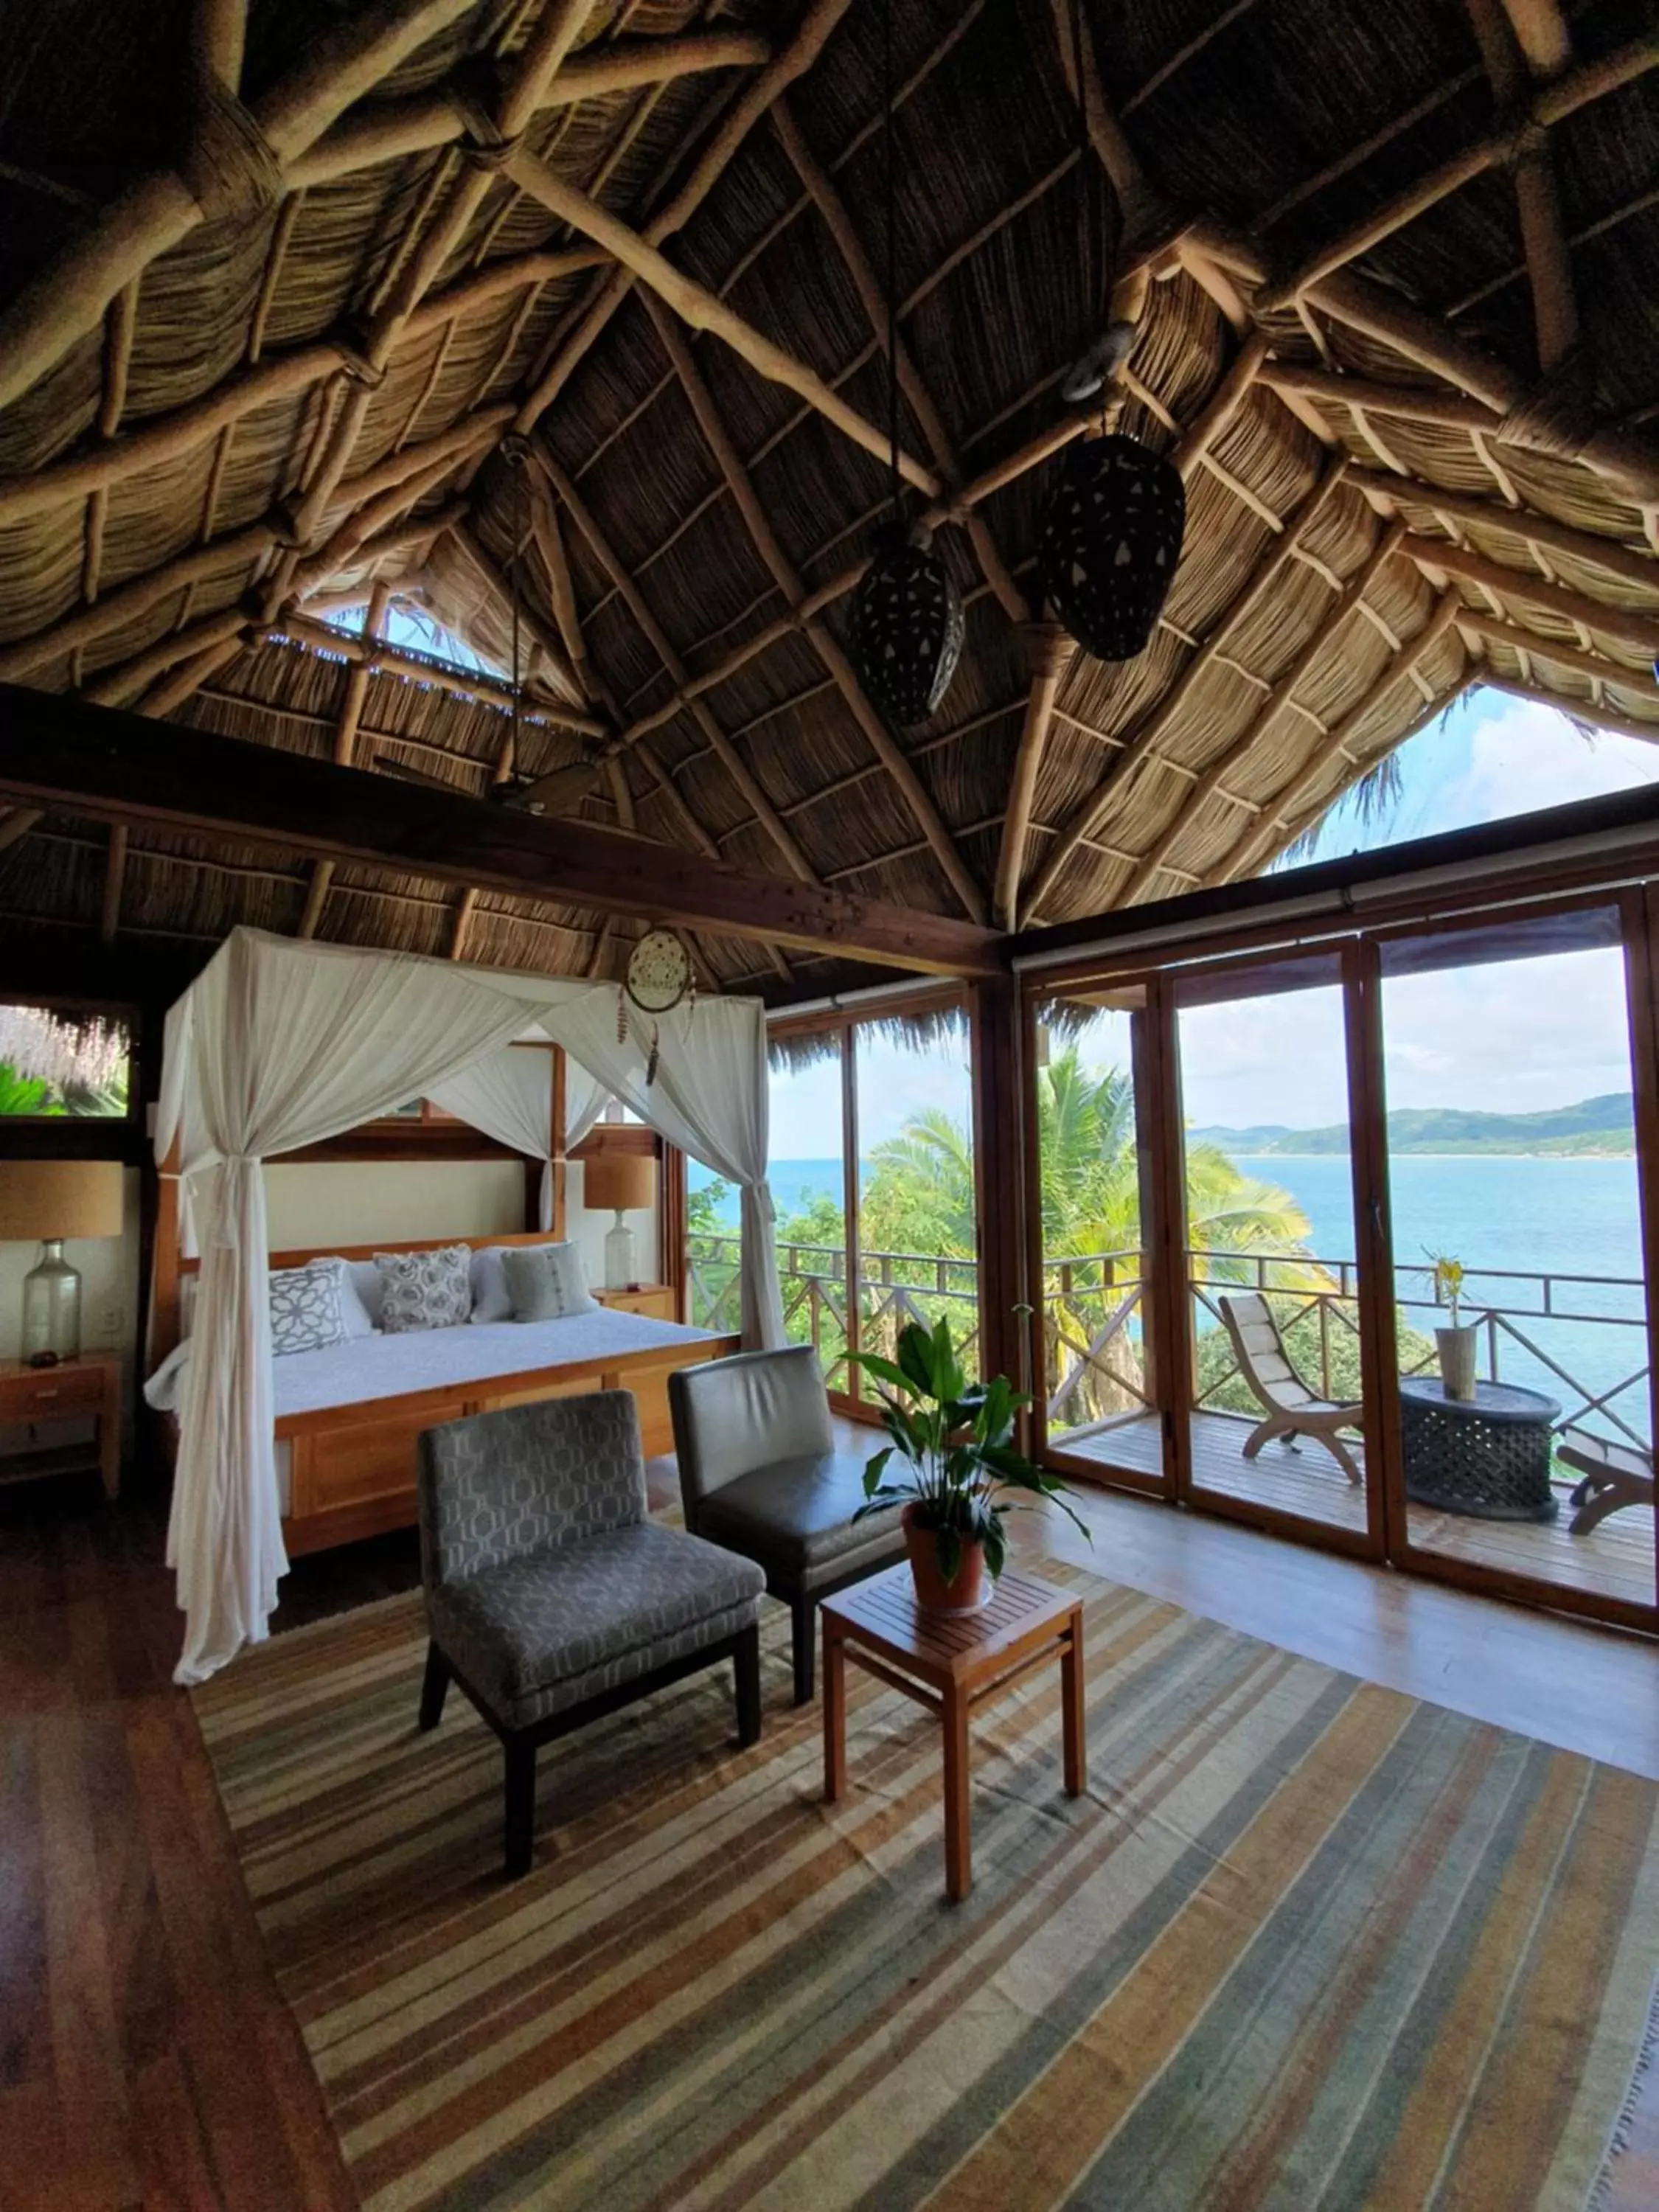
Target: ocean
[(1495, 1212)]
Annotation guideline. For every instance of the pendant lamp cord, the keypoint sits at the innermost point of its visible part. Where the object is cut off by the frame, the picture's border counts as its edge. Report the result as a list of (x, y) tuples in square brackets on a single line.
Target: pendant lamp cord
[(1093, 223), (895, 481)]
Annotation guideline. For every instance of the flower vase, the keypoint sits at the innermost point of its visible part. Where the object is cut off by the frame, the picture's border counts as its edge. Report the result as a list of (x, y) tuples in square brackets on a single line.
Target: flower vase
[(933, 1594), (1456, 1350)]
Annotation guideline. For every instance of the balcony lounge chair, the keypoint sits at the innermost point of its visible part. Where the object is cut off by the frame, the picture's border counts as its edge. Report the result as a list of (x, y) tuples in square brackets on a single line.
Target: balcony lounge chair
[(551, 1597), (1292, 1410), (1614, 1476), (759, 1473)]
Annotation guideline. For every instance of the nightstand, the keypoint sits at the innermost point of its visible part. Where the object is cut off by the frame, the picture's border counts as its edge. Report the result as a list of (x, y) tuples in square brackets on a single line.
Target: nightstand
[(656, 1300), (89, 1386)]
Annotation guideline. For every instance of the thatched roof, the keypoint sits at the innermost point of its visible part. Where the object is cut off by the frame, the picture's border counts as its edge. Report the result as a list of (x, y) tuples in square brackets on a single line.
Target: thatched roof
[(283, 272)]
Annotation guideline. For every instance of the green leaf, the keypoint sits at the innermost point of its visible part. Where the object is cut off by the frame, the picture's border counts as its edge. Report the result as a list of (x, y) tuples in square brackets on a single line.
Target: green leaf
[(872, 1470), (883, 1370), (915, 1358), (949, 1555)]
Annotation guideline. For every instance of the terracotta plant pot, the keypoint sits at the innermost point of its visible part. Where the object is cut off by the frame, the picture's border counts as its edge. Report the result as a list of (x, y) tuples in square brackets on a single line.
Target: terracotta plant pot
[(1456, 1347), (934, 1592)]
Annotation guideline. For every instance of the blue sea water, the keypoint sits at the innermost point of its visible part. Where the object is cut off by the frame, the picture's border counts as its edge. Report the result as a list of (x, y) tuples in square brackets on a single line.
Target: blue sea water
[(1556, 1216)]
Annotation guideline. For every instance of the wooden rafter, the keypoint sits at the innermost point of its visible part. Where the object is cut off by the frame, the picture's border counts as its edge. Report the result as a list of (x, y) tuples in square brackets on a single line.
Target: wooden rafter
[(1588, 710), (1639, 683), (345, 745), (1144, 744), (100, 761), (1606, 553), (1253, 847), (1239, 753), (1049, 653), (1641, 630), (910, 787)]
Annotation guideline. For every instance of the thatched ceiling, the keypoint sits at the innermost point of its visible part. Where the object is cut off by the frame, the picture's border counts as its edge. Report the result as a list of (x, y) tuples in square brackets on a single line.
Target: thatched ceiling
[(282, 273)]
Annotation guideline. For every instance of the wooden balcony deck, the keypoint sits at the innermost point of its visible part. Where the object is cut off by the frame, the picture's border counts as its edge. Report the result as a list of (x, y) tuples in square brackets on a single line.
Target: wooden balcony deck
[(1616, 1558)]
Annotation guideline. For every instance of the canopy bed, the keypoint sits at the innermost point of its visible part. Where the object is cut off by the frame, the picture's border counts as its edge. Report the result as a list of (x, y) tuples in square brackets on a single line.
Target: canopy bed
[(281, 1044)]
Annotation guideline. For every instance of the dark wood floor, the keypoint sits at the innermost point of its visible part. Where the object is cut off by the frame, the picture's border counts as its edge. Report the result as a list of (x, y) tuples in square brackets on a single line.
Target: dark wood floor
[(145, 2058)]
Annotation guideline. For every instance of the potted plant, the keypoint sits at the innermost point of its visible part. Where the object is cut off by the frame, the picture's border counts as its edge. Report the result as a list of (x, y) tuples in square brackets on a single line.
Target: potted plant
[(1455, 1344), (955, 1439)]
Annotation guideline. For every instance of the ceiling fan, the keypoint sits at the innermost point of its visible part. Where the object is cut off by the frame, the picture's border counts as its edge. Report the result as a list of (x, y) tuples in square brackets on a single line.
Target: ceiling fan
[(557, 791)]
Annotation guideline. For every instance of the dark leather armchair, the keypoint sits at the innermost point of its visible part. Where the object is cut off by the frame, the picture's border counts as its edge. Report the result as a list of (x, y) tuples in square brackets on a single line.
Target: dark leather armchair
[(760, 1474), (551, 1597)]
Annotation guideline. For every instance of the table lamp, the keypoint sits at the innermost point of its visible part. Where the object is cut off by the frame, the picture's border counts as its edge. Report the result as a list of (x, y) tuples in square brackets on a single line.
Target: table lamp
[(626, 1182), (55, 1200)]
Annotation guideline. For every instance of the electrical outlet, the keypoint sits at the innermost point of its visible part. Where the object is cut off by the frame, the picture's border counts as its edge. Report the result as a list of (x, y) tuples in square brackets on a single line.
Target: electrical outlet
[(107, 1326)]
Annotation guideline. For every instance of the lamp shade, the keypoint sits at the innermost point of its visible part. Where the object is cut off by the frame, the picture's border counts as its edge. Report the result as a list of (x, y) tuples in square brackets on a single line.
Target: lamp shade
[(59, 1198), (627, 1181)]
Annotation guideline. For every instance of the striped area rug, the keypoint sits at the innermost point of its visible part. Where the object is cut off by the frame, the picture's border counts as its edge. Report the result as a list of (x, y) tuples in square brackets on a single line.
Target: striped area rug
[(1306, 1943)]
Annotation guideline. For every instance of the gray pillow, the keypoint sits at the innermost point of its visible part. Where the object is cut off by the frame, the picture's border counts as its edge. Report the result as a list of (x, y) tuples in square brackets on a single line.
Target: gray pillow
[(546, 1281), (425, 1290), (307, 1308)]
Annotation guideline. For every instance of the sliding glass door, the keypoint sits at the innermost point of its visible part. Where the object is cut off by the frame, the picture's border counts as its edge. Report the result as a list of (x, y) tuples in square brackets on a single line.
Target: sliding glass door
[(1275, 1417)]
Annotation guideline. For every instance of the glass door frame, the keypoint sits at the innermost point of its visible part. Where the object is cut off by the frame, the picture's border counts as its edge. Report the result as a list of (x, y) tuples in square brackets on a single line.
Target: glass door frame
[(1360, 938), (1161, 1231)]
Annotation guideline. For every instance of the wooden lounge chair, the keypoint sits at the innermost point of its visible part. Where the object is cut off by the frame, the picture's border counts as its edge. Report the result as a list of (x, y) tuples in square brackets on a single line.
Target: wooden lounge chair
[(1292, 1410), (1614, 1476)]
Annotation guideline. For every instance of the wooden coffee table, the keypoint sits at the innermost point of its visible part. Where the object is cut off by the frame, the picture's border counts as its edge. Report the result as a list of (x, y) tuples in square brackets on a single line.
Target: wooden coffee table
[(950, 1662)]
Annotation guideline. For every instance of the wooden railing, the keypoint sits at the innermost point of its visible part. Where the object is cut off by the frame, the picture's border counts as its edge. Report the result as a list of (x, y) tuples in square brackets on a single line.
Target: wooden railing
[(1096, 1367)]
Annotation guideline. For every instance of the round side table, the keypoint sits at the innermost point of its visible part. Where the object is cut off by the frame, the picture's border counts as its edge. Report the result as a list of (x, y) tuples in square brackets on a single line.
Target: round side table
[(1487, 1457)]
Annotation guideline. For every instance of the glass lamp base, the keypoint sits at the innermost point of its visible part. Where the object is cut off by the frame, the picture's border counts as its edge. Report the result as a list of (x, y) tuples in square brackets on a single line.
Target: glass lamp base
[(619, 1261), (52, 1306)]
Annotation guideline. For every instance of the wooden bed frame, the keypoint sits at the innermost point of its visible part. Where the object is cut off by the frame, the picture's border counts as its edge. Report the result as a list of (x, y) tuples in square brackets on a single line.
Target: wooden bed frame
[(352, 1471)]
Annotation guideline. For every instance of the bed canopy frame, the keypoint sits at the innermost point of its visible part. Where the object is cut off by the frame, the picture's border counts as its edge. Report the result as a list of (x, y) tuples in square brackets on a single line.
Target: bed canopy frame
[(278, 1045)]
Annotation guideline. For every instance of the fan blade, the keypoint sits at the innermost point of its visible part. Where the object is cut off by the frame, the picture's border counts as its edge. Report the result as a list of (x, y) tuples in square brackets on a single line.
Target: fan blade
[(557, 791), (415, 774)]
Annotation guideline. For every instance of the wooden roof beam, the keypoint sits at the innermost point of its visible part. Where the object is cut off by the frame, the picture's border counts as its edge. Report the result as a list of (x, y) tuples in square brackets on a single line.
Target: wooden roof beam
[(68, 298), (1607, 554), (1524, 41), (1257, 842), (345, 746), (811, 35), (1586, 710), (1640, 682), (1049, 653), (900, 768), (220, 556), (1551, 103), (1144, 744), (57, 752), (705, 311), (1641, 630), (391, 130), (1249, 740)]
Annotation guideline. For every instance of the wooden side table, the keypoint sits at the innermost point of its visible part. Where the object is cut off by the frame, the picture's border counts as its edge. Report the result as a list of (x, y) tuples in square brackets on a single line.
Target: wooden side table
[(950, 1662), (655, 1300), (89, 1385)]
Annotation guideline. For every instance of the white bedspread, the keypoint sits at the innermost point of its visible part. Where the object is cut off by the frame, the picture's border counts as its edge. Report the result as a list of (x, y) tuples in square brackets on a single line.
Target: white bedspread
[(365, 1367)]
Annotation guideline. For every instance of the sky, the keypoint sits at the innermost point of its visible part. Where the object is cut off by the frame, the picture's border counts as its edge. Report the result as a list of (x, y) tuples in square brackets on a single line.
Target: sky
[(1509, 1038)]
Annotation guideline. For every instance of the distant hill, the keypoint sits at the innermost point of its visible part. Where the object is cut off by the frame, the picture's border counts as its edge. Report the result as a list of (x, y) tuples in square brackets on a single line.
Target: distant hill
[(1596, 1129)]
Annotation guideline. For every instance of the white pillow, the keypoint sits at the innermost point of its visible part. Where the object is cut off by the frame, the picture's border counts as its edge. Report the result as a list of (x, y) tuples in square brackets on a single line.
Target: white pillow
[(546, 1282), (491, 1299), (369, 1283), (305, 1308)]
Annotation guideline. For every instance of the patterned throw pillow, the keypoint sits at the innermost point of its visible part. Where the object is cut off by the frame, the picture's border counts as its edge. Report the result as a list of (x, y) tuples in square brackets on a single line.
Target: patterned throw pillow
[(306, 1313), (425, 1290), (546, 1281)]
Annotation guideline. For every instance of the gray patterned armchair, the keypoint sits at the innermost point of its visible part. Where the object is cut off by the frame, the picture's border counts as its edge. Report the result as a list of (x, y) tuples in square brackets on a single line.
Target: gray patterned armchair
[(551, 1597)]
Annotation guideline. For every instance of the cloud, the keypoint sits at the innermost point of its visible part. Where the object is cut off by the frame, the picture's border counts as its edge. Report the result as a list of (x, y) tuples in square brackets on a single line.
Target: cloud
[(1523, 758)]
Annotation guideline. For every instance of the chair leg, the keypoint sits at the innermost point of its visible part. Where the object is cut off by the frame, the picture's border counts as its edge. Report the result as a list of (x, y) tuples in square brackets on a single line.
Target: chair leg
[(805, 1615), (1344, 1458), (520, 1805), (745, 1667), (434, 1687)]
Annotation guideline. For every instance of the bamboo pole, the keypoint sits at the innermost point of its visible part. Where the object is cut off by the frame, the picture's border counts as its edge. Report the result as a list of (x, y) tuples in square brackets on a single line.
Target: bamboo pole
[(187, 680), (387, 660), (115, 868), (1255, 842), (830, 205), (1511, 68), (322, 875), (1049, 653), (116, 687), (1237, 754), (1541, 35), (1410, 403), (16, 822), (1568, 92), (1493, 631), (811, 35), (704, 311), (544, 637), (153, 214), (733, 761), (240, 551), (549, 544), (1638, 569), (426, 121), (911, 788), (1142, 746), (464, 906), (1586, 710), (1641, 630)]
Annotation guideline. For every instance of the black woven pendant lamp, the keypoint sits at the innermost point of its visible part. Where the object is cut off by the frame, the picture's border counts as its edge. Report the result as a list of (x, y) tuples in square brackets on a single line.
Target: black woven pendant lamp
[(908, 623), (1109, 540)]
